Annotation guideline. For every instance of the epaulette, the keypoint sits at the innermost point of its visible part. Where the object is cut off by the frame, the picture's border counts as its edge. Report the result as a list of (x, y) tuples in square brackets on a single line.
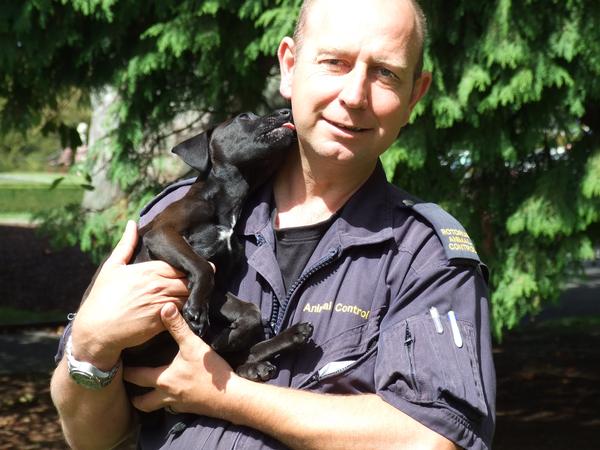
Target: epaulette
[(159, 202), (166, 191), (457, 244)]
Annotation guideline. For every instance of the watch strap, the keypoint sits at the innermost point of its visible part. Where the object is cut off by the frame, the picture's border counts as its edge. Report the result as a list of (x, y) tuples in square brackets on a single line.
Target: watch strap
[(85, 373)]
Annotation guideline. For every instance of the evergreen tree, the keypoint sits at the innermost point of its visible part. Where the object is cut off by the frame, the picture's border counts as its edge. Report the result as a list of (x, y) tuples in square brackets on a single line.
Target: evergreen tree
[(506, 140)]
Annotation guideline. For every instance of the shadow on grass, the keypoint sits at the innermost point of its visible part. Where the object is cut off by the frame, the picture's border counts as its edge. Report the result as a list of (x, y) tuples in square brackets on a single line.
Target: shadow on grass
[(549, 385)]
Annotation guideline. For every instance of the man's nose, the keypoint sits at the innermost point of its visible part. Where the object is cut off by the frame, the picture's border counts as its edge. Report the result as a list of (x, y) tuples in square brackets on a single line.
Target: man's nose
[(354, 93)]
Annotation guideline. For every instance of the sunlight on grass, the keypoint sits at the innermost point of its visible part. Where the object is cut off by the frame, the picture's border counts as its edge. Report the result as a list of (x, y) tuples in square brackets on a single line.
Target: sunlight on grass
[(23, 194), (10, 316)]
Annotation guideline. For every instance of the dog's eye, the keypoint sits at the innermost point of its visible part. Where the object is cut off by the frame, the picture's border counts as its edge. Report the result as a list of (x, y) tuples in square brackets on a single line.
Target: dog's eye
[(247, 116)]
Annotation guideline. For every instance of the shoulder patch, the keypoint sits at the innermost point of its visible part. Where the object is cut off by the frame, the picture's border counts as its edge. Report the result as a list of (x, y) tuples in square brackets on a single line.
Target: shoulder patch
[(457, 243)]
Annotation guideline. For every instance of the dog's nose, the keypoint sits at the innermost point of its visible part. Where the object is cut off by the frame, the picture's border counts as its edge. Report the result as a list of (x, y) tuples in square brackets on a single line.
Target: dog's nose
[(285, 113)]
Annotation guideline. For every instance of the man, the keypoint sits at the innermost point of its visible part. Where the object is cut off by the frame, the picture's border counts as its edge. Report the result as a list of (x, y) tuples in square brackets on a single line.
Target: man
[(329, 241)]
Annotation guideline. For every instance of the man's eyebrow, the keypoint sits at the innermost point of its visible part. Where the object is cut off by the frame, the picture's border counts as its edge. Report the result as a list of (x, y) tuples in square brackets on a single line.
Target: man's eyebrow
[(332, 50), (399, 64)]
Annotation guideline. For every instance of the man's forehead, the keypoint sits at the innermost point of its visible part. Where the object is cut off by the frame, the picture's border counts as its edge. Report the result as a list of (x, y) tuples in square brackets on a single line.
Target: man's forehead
[(360, 26), (395, 21), (399, 13)]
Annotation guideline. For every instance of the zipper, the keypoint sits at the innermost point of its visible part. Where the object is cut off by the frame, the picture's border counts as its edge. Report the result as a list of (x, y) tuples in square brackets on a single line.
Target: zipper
[(277, 319), (316, 378), (274, 314), (260, 239), (409, 344), (269, 327)]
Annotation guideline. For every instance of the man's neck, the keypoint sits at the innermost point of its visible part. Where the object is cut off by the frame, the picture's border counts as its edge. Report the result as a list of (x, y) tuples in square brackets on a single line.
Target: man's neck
[(310, 192)]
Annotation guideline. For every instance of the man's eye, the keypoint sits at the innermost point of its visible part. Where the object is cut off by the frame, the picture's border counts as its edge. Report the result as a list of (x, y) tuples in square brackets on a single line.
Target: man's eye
[(386, 73)]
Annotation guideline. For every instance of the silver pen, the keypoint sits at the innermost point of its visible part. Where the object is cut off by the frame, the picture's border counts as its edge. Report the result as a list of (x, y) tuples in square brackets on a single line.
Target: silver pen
[(455, 331), (436, 319)]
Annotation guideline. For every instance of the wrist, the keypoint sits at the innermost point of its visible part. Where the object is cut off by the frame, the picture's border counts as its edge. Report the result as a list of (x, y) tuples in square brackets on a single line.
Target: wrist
[(90, 348), (239, 398)]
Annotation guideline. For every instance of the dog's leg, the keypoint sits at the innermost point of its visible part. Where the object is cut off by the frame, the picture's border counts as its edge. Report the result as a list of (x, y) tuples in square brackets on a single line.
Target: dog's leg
[(257, 367), (167, 244), (244, 325)]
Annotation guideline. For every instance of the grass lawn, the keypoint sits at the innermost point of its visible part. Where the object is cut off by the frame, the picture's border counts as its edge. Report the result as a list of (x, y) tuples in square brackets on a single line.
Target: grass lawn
[(23, 194), (10, 316)]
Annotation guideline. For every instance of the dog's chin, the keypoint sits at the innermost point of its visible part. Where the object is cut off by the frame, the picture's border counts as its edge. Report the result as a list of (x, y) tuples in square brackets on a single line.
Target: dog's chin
[(282, 136)]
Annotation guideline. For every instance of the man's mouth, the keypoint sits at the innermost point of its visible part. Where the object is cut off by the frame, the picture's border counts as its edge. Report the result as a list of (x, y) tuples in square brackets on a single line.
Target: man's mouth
[(342, 126)]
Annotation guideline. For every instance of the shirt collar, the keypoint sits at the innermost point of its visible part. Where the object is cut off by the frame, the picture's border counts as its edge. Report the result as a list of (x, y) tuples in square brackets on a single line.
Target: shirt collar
[(365, 219)]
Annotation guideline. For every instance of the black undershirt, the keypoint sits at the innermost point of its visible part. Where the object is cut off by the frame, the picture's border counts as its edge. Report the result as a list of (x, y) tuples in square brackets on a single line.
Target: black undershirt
[(294, 247)]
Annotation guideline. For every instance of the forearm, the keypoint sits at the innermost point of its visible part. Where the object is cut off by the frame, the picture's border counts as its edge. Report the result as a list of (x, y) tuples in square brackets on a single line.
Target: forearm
[(305, 420), (91, 419)]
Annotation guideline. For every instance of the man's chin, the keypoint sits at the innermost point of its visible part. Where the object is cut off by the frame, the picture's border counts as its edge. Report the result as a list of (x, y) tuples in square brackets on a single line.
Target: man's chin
[(335, 151)]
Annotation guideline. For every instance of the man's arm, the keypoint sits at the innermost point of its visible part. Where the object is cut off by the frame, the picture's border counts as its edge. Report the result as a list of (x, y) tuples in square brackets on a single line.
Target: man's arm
[(91, 419), (305, 420), (199, 381), (121, 310)]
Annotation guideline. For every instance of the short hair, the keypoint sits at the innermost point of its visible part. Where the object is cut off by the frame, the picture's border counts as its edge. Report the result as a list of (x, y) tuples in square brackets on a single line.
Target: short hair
[(421, 29)]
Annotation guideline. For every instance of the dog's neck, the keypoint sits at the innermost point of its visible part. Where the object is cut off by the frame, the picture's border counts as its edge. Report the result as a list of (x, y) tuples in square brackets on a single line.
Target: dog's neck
[(230, 183)]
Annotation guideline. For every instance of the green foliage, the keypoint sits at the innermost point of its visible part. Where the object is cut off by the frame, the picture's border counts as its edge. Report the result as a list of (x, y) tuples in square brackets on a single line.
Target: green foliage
[(511, 126), (507, 138), (34, 146), (96, 232)]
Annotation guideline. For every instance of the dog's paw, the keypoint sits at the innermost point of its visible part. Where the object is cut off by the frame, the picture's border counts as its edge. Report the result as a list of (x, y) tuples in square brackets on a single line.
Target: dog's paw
[(196, 318), (258, 371), (302, 332)]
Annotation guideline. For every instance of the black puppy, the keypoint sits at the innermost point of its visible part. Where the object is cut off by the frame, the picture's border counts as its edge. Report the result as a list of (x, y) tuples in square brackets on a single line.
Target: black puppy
[(233, 159)]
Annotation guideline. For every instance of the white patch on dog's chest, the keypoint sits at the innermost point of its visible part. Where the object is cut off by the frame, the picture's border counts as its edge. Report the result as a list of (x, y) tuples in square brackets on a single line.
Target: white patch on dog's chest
[(225, 233)]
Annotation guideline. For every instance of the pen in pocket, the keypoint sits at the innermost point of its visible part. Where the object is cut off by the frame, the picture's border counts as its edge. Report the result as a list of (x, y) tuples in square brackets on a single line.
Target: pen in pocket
[(455, 331), (436, 319)]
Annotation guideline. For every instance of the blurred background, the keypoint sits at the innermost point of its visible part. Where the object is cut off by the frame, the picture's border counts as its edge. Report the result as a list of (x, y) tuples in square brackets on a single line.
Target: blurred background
[(94, 93)]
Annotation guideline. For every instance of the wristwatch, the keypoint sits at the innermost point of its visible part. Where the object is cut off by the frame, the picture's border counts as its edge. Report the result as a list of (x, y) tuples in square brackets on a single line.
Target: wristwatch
[(86, 374)]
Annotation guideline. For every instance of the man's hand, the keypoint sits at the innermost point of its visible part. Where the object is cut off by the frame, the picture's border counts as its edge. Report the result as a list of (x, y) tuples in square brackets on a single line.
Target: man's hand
[(122, 308), (196, 381)]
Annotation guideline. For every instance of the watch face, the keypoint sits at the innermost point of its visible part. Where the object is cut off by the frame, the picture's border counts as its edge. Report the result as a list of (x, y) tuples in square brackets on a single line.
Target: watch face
[(86, 380)]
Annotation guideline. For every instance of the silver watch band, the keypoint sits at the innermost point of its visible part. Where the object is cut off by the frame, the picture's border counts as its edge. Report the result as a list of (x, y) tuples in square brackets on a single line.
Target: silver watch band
[(85, 373)]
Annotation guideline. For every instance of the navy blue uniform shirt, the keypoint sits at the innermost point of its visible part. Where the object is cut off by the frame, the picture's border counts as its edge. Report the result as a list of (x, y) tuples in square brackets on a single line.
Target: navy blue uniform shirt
[(368, 289)]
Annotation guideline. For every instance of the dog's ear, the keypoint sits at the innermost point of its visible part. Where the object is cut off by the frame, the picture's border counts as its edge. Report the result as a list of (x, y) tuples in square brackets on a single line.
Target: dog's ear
[(195, 152)]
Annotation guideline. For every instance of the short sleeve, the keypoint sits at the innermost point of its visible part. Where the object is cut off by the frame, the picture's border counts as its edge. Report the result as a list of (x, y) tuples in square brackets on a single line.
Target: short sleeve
[(60, 351), (441, 374)]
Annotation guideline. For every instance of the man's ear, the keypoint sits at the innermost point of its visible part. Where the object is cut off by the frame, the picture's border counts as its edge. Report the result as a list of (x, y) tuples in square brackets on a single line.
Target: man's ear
[(420, 88), (286, 53), (195, 152)]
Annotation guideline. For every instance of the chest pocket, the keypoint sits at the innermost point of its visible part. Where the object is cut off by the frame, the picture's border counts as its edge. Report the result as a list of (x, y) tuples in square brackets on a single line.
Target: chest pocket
[(424, 366), (342, 358)]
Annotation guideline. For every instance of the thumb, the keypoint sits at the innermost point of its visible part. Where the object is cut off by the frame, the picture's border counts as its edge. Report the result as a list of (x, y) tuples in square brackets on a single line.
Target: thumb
[(126, 246), (174, 323)]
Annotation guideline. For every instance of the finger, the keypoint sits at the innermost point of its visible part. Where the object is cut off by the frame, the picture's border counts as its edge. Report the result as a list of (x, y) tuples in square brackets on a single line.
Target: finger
[(143, 376), (126, 246), (151, 401), (174, 323)]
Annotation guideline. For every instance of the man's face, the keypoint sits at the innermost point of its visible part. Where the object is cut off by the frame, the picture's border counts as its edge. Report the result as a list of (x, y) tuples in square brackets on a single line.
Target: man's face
[(351, 82)]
